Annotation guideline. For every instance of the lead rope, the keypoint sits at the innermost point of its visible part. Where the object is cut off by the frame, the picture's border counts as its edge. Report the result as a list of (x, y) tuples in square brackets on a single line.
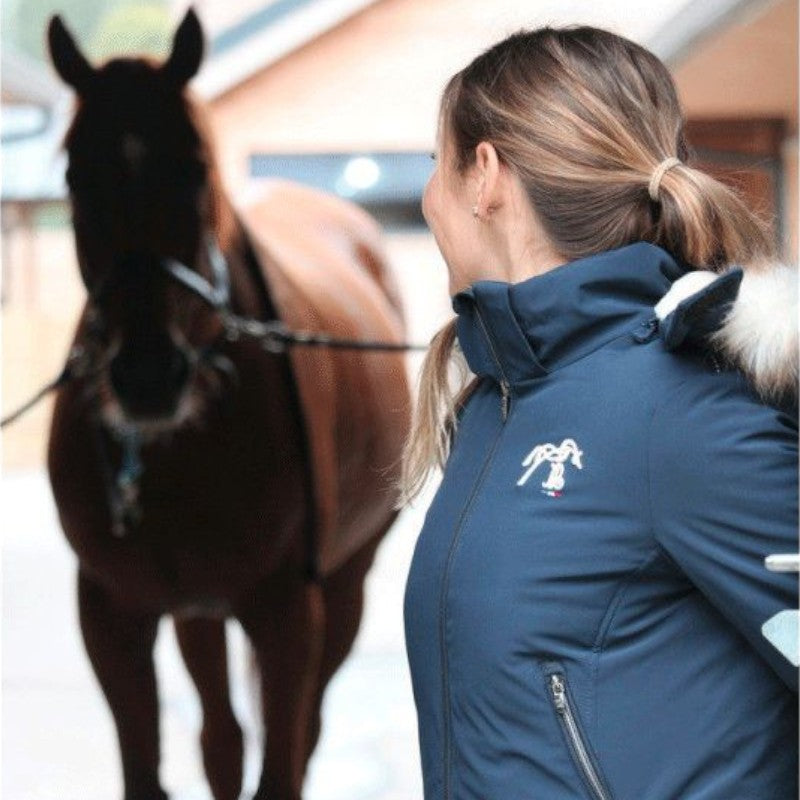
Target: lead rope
[(76, 366), (275, 337), (122, 489)]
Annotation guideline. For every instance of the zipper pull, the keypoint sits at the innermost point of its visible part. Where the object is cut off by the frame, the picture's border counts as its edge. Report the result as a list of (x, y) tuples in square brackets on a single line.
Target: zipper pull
[(559, 693), (505, 399)]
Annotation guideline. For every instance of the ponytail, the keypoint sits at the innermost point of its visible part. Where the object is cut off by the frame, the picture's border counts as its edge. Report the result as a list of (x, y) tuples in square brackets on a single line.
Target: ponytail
[(706, 224), (435, 416)]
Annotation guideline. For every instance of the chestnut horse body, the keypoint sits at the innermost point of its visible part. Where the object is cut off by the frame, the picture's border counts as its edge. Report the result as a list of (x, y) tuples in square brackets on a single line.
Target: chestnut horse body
[(263, 481)]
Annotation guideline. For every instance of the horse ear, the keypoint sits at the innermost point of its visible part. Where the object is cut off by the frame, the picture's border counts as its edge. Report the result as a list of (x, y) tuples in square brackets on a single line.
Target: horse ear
[(187, 50), (68, 60)]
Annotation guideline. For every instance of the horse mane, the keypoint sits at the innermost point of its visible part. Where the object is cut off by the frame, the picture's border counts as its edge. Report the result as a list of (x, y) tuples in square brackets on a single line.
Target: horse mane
[(222, 217)]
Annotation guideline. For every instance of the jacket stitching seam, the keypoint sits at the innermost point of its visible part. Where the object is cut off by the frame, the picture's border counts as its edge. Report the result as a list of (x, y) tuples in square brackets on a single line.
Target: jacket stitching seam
[(627, 332), (588, 354), (607, 622), (616, 601), (651, 514), (626, 580)]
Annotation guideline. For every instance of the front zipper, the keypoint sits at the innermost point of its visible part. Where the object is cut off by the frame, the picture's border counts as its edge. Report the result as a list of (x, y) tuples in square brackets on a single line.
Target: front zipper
[(577, 745), (505, 410), (446, 584), (505, 386)]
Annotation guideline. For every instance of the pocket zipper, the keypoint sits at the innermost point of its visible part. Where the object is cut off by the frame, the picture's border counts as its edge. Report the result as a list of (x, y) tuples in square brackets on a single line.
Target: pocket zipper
[(561, 701)]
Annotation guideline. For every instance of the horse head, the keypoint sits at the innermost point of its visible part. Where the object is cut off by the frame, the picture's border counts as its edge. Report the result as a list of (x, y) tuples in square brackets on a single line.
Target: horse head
[(570, 449), (144, 193)]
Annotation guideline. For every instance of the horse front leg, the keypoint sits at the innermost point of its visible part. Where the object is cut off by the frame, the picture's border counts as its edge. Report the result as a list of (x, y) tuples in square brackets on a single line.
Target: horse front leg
[(343, 594), (119, 643), (286, 625), (204, 649)]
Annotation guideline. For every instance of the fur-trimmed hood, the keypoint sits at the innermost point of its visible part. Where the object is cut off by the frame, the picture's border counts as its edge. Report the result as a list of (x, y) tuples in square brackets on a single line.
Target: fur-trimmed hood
[(749, 316)]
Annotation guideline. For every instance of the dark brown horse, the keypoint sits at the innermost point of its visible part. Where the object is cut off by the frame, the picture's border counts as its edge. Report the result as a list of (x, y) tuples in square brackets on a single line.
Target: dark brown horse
[(198, 474)]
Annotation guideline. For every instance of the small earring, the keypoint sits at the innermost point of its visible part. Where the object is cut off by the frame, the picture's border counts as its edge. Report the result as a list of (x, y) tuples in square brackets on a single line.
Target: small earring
[(474, 211)]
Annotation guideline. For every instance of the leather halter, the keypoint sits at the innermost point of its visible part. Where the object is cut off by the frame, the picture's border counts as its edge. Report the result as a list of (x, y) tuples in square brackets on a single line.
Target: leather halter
[(123, 485), (218, 294)]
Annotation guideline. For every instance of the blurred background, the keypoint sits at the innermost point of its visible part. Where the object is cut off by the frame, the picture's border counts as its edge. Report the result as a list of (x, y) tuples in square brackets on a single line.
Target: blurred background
[(340, 94)]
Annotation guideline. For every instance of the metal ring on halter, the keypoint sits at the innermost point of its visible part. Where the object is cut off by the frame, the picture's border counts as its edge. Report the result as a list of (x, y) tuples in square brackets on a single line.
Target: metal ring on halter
[(658, 174)]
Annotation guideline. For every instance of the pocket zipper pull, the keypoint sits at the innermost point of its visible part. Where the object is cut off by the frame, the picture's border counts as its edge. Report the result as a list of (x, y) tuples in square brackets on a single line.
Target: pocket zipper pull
[(559, 693)]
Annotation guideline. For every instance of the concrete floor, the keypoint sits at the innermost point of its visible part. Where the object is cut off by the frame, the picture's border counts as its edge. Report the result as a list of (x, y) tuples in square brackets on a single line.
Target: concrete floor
[(58, 737)]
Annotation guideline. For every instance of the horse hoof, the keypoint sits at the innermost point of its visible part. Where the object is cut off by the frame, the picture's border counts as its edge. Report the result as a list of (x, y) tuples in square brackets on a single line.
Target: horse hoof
[(153, 794), (223, 754), (268, 791)]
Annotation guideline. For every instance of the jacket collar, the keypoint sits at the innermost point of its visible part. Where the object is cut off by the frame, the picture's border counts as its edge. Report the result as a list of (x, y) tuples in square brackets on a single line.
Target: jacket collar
[(513, 332)]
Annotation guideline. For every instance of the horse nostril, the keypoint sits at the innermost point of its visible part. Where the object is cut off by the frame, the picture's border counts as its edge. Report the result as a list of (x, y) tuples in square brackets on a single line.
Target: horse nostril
[(179, 368), (149, 382)]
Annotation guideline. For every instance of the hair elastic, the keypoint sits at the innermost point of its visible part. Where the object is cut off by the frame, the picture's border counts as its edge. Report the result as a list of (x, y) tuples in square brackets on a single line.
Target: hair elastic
[(658, 174)]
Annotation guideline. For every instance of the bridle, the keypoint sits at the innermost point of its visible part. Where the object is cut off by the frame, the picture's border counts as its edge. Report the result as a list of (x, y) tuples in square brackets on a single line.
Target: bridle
[(122, 487), (273, 334), (216, 294)]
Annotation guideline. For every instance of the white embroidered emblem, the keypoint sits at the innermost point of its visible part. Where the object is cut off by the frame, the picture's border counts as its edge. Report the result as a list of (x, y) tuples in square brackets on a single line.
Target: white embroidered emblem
[(556, 457)]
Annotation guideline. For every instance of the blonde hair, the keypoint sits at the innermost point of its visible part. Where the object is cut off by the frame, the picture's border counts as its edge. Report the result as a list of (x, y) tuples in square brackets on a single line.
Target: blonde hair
[(583, 117)]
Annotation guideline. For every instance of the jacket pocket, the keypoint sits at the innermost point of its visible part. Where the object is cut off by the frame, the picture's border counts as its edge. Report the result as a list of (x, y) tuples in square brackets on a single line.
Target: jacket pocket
[(564, 707)]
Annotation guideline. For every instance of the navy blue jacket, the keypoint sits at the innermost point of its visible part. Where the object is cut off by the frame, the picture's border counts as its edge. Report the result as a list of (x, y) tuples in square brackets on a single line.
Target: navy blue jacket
[(584, 605)]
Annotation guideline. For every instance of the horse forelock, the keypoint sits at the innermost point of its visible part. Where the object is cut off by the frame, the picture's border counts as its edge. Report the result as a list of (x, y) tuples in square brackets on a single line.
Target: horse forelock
[(133, 112)]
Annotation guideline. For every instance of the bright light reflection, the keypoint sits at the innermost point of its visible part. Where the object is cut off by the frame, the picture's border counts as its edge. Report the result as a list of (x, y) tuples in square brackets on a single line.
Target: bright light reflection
[(362, 172)]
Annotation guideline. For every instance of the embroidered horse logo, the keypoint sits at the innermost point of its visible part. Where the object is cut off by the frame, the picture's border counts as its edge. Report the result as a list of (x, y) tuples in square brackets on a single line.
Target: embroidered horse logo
[(556, 457)]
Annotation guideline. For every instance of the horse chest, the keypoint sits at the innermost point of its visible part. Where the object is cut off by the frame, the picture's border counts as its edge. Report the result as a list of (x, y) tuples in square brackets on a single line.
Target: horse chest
[(218, 513)]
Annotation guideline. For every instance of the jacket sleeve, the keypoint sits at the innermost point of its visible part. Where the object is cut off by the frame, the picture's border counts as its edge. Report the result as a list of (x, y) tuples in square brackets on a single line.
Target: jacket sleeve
[(723, 492)]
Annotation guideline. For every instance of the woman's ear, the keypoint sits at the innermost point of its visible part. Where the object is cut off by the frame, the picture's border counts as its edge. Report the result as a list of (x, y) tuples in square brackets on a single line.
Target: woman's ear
[(488, 171)]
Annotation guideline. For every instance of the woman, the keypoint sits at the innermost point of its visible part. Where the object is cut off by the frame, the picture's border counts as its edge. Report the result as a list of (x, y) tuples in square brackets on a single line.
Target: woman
[(584, 606)]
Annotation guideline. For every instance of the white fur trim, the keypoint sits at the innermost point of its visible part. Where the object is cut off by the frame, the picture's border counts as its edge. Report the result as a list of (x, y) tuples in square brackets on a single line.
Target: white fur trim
[(760, 333), (687, 285)]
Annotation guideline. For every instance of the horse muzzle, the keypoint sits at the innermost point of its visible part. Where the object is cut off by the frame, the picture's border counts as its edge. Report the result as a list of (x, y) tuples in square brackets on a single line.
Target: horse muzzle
[(149, 384)]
